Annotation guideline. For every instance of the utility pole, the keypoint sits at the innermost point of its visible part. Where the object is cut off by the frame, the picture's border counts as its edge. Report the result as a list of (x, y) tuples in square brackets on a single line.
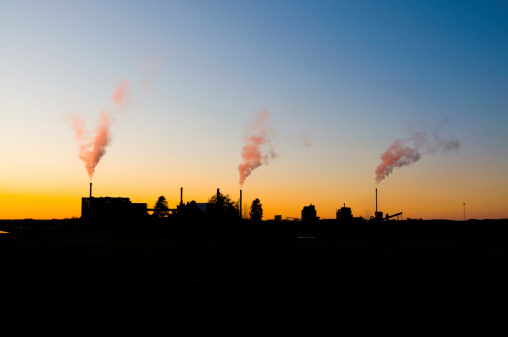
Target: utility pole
[(464, 210)]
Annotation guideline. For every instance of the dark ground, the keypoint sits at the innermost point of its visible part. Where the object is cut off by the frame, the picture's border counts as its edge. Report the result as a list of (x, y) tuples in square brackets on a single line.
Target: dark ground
[(424, 270)]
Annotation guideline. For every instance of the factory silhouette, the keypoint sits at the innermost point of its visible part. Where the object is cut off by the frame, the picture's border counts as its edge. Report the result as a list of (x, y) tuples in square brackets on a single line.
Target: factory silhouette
[(127, 255), (219, 213)]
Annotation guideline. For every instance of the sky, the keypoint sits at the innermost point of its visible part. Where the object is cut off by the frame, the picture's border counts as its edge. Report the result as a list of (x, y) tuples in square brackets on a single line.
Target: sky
[(337, 84)]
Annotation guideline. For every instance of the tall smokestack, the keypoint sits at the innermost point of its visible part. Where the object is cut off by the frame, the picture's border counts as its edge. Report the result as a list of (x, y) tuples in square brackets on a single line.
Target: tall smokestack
[(181, 195), (376, 200), (218, 193), (90, 190), (240, 204)]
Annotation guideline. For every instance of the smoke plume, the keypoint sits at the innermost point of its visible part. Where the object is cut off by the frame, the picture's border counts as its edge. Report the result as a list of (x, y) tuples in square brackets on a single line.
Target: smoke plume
[(122, 95), (93, 148), (149, 69), (306, 141), (257, 149), (408, 151)]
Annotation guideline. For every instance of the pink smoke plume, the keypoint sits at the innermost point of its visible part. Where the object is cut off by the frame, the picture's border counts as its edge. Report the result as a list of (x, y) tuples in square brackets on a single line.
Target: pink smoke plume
[(149, 69), (92, 150), (122, 94), (306, 141), (401, 154), (258, 134), (397, 155)]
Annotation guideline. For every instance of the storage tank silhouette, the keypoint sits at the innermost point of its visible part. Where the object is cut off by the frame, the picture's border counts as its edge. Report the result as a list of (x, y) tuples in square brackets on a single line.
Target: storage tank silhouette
[(309, 214), (344, 214)]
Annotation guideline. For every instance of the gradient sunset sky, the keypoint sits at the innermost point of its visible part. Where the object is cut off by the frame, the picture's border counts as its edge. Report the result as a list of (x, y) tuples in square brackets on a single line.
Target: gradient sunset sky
[(341, 81)]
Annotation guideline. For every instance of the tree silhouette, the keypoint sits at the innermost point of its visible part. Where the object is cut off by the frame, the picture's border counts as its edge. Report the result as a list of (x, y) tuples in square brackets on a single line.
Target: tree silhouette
[(161, 208), (221, 207), (256, 210), (245, 211), (189, 212)]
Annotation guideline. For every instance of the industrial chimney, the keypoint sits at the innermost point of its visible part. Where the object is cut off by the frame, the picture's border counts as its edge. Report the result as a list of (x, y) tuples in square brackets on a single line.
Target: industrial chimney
[(378, 215), (240, 204), (181, 195), (90, 190)]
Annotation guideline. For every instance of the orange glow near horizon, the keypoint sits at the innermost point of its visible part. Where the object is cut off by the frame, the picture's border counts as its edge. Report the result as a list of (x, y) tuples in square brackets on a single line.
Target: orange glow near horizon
[(417, 192), (42, 206), (37, 206)]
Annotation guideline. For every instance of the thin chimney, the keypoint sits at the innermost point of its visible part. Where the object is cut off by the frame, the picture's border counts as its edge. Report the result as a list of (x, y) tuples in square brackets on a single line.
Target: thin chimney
[(181, 195), (376, 201), (240, 204), (90, 190)]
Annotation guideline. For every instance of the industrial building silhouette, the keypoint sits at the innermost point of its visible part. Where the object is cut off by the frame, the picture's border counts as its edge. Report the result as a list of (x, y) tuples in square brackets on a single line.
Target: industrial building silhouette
[(97, 209), (109, 208)]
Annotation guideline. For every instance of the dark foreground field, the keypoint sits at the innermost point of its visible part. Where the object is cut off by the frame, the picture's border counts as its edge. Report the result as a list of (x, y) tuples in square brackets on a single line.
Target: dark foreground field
[(66, 267)]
